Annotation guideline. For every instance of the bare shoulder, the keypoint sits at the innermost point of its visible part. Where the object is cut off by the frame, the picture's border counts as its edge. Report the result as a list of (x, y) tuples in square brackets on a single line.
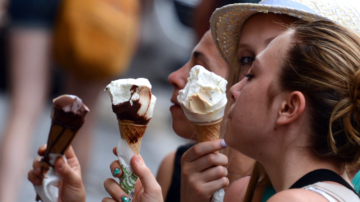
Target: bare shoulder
[(297, 195), (236, 190), (165, 172)]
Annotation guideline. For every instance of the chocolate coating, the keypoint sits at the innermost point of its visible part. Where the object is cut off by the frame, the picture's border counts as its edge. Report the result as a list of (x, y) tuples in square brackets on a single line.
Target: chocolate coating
[(126, 111), (69, 112)]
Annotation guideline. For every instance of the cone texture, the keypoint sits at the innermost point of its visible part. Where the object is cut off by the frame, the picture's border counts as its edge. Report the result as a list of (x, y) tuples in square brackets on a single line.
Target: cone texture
[(132, 133), (60, 139), (207, 132)]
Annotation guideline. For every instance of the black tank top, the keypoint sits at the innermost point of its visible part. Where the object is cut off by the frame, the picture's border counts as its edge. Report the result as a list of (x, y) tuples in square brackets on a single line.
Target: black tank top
[(321, 175), (173, 194)]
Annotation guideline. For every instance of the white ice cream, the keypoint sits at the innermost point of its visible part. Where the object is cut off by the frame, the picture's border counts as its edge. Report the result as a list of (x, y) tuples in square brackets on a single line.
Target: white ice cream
[(120, 92), (204, 97)]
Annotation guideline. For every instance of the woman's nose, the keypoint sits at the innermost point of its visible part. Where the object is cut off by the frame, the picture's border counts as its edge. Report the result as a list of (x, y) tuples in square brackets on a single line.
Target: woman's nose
[(178, 78), (236, 89)]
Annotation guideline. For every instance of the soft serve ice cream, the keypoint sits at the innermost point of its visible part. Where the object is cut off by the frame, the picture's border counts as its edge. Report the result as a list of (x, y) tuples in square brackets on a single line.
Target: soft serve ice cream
[(133, 103), (204, 97)]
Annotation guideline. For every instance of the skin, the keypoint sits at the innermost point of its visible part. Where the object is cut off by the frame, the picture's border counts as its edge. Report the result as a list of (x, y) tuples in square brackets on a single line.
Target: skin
[(281, 144), (71, 188), (146, 188), (195, 177), (258, 31)]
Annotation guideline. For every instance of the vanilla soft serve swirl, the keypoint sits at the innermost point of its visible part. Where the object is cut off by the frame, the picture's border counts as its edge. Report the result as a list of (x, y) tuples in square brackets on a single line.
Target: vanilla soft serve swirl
[(204, 97)]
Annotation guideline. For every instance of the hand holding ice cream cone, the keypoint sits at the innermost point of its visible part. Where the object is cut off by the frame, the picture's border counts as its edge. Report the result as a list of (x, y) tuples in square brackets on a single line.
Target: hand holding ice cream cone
[(68, 115), (203, 100), (133, 103)]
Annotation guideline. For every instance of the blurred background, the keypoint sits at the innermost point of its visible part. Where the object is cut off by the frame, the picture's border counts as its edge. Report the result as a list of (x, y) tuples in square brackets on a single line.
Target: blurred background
[(45, 51)]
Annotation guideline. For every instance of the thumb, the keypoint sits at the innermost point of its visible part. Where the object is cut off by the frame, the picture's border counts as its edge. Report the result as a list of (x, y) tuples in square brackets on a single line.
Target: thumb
[(69, 176), (147, 179)]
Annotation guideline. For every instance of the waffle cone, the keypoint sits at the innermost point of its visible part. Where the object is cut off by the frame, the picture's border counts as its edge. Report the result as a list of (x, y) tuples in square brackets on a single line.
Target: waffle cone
[(132, 133), (207, 131), (60, 138)]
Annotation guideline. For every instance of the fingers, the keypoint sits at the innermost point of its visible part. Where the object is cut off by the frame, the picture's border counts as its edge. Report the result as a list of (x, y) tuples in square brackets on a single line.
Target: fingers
[(215, 185), (107, 199), (116, 169), (69, 176), (35, 175), (115, 151), (212, 174), (147, 179), (37, 165), (41, 150), (70, 153), (34, 178), (201, 149), (205, 162), (113, 188)]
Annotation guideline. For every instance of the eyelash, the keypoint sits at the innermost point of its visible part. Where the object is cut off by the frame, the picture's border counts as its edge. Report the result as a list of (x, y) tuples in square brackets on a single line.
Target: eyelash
[(249, 76)]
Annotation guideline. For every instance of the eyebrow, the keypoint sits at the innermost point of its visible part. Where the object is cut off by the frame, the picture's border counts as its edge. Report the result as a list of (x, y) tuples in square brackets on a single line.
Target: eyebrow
[(198, 55)]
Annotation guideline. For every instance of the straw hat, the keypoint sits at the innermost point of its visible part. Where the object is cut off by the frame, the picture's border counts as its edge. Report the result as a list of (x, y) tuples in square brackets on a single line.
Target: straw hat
[(226, 22)]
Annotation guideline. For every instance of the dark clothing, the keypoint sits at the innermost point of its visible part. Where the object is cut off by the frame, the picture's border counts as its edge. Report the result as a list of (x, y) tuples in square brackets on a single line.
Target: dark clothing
[(321, 175), (173, 194), (40, 13)]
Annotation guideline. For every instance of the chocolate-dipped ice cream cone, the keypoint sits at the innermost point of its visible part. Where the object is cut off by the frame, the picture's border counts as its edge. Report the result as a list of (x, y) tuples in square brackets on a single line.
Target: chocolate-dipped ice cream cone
[(68, 115), (133, 103)]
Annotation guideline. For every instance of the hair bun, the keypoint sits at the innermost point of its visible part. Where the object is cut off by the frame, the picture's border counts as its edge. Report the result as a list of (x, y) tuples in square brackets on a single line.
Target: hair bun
[(355, 90)]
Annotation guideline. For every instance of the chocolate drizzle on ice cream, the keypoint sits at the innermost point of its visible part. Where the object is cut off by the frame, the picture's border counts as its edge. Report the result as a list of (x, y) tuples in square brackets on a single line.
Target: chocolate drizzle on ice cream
[(129, 110), (132, 100)]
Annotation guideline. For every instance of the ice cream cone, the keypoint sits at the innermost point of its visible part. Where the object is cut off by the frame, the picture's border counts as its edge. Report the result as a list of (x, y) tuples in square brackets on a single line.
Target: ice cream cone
[(60, 138), (132, 133), (207, 131)]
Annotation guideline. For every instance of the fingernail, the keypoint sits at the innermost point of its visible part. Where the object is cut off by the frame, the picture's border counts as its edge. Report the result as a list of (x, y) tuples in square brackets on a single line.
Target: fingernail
[(116, 172), (137, 159), (223, 144), (125, 199)]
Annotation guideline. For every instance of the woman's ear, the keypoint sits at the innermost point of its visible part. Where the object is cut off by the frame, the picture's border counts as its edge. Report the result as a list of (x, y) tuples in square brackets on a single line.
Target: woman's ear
[(291, 108)]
